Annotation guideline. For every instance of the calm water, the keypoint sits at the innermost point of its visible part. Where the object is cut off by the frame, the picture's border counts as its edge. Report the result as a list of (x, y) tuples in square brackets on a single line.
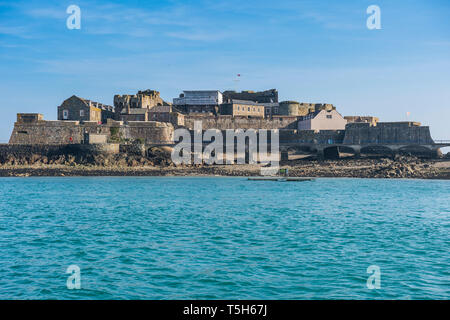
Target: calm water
[(223, 238)]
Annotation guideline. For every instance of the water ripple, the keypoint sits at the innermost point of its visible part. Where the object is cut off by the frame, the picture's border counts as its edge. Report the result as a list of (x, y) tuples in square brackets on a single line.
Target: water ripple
[(223, 238)]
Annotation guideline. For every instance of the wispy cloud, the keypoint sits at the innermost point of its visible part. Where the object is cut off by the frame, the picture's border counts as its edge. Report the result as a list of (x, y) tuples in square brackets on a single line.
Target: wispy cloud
[(11, 45), (46, 13), (199, 35), (174, 20), (112, 30), (18, 31), (106, 19)]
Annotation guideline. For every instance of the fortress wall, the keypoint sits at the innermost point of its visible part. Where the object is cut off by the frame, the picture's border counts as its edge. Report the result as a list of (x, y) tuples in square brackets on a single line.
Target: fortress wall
[(402, 132), (46, 132), (295, 136), (72, 132), (311, 136), (228, 122), (151, 132), (40, 132)]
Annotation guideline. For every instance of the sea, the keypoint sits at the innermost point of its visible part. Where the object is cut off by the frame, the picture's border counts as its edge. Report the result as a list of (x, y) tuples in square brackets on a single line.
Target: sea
[(223, 238)]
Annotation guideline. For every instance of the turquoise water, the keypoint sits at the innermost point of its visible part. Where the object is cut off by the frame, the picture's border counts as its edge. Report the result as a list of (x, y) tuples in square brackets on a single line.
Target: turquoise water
[(223, 238)]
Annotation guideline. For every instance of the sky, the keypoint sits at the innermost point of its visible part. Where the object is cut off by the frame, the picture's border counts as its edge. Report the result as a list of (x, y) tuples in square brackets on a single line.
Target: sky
[(311, 51)]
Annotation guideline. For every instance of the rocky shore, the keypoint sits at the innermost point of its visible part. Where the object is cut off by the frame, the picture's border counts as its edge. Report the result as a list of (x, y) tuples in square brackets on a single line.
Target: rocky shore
[(160, 165)]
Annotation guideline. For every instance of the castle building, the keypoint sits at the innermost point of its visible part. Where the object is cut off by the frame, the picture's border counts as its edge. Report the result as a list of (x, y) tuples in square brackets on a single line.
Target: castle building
[(267, 96), (137, 107), (198, 101), (270, 109), (362, 119), (159, 113), (300, 109), (242, 108), (79, 109)]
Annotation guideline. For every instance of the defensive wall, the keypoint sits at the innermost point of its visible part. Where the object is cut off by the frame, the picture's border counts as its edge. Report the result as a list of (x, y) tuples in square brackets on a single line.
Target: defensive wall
[(33, 135), (387, 132), (74, 132), (224, 122), (287, 137)]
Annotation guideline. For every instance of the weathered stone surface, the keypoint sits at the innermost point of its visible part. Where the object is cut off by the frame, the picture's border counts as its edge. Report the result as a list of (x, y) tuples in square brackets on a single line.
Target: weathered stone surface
[(72, 132), (82, 154), (123, 164), (146, 99), (260, 96), (387, 132), (224, 122)]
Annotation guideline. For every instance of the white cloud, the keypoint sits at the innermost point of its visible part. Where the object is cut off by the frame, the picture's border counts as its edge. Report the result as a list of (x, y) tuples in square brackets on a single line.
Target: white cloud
[(199, 36), (46, 13), (18, 31)]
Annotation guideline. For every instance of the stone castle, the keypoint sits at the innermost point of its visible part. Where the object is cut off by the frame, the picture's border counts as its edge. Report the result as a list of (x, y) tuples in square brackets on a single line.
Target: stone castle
[(147, 119)]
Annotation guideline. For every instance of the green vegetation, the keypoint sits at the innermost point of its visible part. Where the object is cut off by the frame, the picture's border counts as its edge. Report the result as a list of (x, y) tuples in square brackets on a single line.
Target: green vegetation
[(139, 141), (115, 136)]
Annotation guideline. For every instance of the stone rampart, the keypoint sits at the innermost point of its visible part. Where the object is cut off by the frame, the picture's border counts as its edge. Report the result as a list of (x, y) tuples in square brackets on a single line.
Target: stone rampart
[(224, 122), (74, 132), (311, 136), (387, 133)]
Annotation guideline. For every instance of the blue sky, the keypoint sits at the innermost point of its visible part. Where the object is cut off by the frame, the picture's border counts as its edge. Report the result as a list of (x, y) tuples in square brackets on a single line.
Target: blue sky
[(311, 51)]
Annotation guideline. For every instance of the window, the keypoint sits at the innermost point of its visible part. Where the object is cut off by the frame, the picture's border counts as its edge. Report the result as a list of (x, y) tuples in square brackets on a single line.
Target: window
[(329, 116), (81, 113), (65, 114), (248, 108), (238, 108)]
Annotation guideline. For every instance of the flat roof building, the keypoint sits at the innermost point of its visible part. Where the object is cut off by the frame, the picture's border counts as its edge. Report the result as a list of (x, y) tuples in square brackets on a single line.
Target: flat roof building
[(242, 108), (199, 97)]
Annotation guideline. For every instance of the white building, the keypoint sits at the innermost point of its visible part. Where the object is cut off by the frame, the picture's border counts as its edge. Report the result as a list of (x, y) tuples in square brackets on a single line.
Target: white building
[(199, 97), (322, 120)]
